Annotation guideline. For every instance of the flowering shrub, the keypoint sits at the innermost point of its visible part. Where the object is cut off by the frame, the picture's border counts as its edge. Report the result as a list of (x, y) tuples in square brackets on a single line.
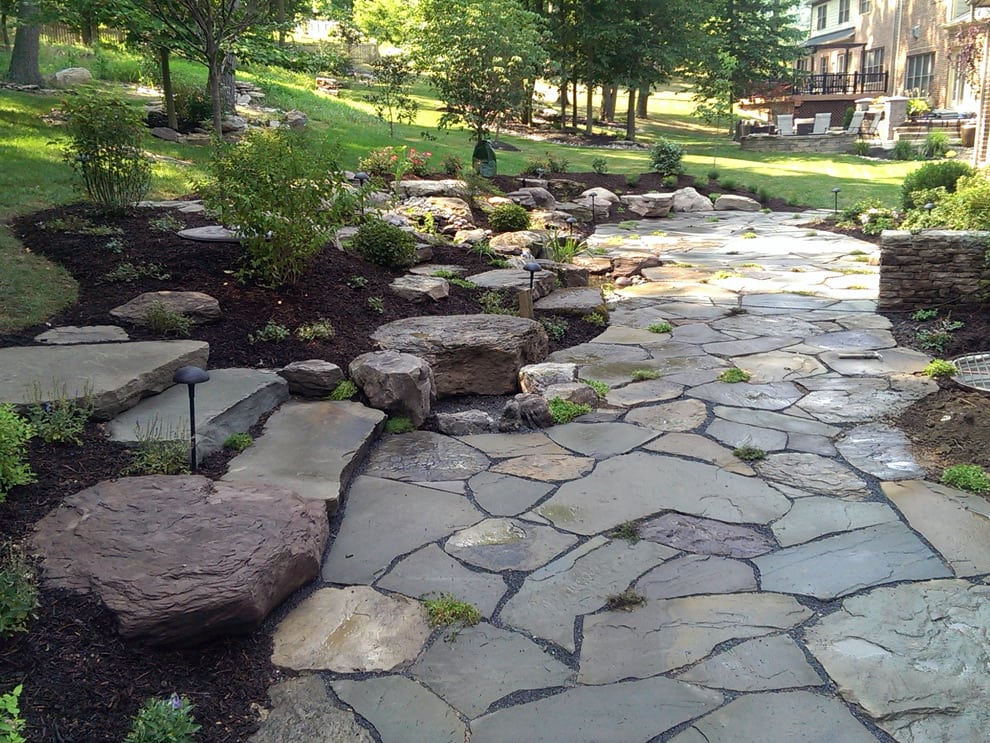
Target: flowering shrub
[(163, 720), (396, 161)]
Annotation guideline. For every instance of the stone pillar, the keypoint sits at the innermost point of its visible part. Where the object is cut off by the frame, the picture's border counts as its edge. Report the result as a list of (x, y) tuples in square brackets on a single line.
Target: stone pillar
[(863, 104), (894, 114)]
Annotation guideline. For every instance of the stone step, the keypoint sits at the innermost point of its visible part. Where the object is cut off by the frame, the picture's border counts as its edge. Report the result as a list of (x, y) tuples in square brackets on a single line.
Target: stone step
[(230, 402), (573, 301), (310, 447), (115, 376)]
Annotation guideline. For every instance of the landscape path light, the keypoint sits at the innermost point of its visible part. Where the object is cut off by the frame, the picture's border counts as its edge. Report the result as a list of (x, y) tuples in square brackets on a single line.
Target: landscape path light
[(532, 267), (835, 193), (191, 376), (362, 178), (592, 208)]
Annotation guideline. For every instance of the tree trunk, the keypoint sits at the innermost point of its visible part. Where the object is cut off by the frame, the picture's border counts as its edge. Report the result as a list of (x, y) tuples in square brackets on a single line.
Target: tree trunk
[(608, 103), (644, 99), (167, 92), (527, 109), (3, 32), (589, 111), (631, 116), (228, 92), (574, 101), (280, 17), (215, 72), (24, 58), (90, 33), (563, 102)]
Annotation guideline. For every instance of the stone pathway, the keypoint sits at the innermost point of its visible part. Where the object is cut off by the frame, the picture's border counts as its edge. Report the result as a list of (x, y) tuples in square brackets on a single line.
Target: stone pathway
[(823, 593)]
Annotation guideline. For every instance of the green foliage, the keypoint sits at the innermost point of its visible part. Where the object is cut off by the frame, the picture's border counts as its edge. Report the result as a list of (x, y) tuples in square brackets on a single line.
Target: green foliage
[(924, 314), (564, 411), (11, 722), (399, 424), (601, 388), (966, 209), (933, 175), (940, 368), (627, 530), (643, 375), (165, 223), (192, 102), (105, 149), (749, 235), (391, 100), (158, 452), (356, 282), (596, 318), (271, 332), (555, 326), (861, 147), (935, 146), (494, 302), (937, 337), (345, 390), (446, 610), (733, 375), (452, 165), (661, 327), (462, 283), (625, 601), (599, 165), (917, 106), (508, 218), (968, 477), (548, 163), (128, 272), (318, 330), (163, 721), (564, 249), (376, 304), (384, 244), (665, 157), (18, 592), (238, 441), (903, 150), (15, 432), (163, 321), (58, 419), (749, 453), (285, 199)]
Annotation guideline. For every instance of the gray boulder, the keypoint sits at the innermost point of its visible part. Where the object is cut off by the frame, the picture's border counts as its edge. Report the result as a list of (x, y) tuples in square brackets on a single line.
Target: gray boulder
[(576, 392), (164, 132), (649, 205), (525, 411), (568, 274), (633, 265), (465, 423), (199, 307), (729, 202), (600, 194), (396, 382), (181, 560), (312, 378), (513, 280), (450, 187), (537, 377), (469, 354), (514, 243), (72, 77), (417, 288), (689, 200)]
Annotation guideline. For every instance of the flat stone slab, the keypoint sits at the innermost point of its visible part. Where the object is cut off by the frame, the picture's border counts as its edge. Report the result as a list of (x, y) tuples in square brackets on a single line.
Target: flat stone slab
[(197, 307), (310, 447), (854, 340), (693, 575), (698, 447), (624, 335), (401, 710), (546, 467), (810, 518), (506, 495), (423, 456), (600, 440), (705, 536), (643, 393), (505, 445), (856, 560), (209, 234), (887, 361), (753, 325), (507, 544), (417, 288), (681, 415), (514, 280), (770, 396), (813, 474), (783, 716), (302, 710), (777, 421), (739, 434), (881, 451), (582, 300), (431, 571), (114, 375), (665, 634), (485, 664), (759, 344), (884, 649), (855, 406), (955, 523), (411, 515), (763, 664), (598, 353), (780, 366), (635, 710), (71, 335), (577, 583), (631, 486), (231, 401), (350, 630)]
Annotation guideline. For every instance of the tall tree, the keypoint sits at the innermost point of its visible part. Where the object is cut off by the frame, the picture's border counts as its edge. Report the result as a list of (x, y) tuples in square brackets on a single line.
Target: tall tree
[(392, 21), (480, 55), (24, 67), (8, 8)]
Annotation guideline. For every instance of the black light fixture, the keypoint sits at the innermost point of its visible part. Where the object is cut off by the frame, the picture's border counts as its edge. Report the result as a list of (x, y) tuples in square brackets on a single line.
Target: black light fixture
[(835, 193), (362, 179), (592, 207), (571, 221), (540, 172), (928, 207), (532, 267), (191, 376)]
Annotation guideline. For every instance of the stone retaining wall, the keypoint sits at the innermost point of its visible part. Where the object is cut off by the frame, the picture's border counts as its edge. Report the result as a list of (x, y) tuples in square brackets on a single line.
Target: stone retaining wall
[(798, 143), (931, 268)]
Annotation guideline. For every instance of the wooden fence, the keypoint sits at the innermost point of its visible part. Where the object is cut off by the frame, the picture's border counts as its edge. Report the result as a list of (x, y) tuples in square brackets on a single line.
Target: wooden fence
[(59, 33)]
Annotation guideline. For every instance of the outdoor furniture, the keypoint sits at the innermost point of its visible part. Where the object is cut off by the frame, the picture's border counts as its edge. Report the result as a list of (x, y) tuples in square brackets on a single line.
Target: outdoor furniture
[(822, 122), (785, 124), (856, 123)]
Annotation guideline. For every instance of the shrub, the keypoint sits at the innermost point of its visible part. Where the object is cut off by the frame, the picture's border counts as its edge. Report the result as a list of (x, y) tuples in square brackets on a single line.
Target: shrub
[(935, 146), (494, 302), (597, 317), (163, 321), (940, 368), (384, 244), (549, 163), (556, 327), (192, 103), (272, 332), (105, 149), (11, 723), (564, 411), (59, 420), (452, 165), (665, 157), (318, 330), (917, 106), (345, 390), (966, 209), (376, 304), (508, 218), (599, 165), (861, 147), (14, 435), (128, 272), (933, 175), (969, 477), (564, 249), (238, 441), (283, 198), (903, 150), (163, 721), (18, 592)]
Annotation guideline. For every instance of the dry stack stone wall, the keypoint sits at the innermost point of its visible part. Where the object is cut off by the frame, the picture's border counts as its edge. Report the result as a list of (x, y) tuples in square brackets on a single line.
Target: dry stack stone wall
[(932, 267)]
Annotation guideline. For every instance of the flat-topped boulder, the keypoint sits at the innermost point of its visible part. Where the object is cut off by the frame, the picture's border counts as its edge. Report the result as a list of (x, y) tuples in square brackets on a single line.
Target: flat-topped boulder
[(514, 280), (469, 354), (115, 376), (71, 335), (312, 377), (514, 243), (182, 559), (200, 308), (689, 200), (730, 202), (396, 382), (418, 288), (212, 233), (573, 301), (448, 187), (231, 401), (649, 205)]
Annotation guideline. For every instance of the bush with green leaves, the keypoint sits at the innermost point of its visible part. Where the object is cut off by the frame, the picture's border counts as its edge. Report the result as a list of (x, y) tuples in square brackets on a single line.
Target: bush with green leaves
[(163, 321), (11, 722), (666, 156), (549, 163), (969, 477), (564, 411), (344, 390), (163, 721), (18, 591), (238, 441), (935, 146), (158, 451), (940, 368), (903, 150), (283, 194), (57, 418), (599, 165), (861, 147), (270, 332), (15, 432), (508, 218), (555, 326), (192, 102), (317, 330), (399, 424), (933, 175), (105, 149), (966, 209), (384, 244)]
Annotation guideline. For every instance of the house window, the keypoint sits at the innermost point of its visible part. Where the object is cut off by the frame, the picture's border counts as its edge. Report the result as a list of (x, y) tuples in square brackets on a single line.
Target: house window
[(843, 11), (873, 61), (918, 78), (842, 63), (865, 6), (823, 65), (821, 16)]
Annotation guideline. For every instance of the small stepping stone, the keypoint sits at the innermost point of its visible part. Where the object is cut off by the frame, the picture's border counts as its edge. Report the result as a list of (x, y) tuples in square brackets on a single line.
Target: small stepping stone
[(302, 710), (70, 334), (574, 301), (210, 234), (756, 665), (508, 544), (423, 456), (693, 575), (392, 703), (705, 536)]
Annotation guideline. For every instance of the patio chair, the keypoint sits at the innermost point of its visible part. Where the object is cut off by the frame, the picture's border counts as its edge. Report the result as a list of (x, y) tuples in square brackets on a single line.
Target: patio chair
[(822, 123), (871, 127), (785, 124), (856, 123)]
